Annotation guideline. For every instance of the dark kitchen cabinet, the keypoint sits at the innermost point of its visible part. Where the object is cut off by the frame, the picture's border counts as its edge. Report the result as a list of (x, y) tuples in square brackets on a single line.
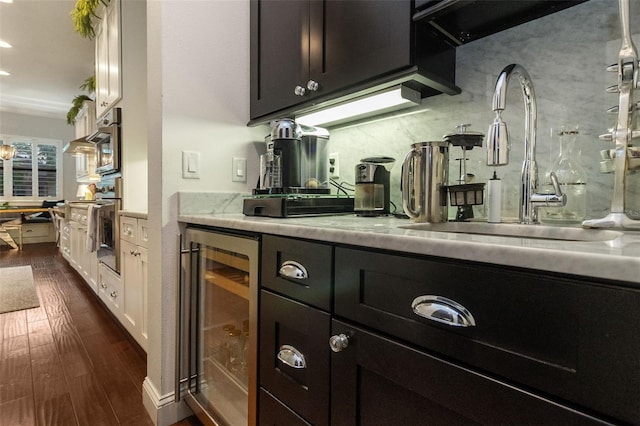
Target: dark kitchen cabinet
[(308, 52), (379, 381), (401, 338)]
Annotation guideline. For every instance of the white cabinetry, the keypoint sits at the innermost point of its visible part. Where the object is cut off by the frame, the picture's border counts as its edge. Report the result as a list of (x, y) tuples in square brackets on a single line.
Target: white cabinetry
[(85, 121), (108, 79), (82, 260), (110, 290), (134, 267), (85, 124)]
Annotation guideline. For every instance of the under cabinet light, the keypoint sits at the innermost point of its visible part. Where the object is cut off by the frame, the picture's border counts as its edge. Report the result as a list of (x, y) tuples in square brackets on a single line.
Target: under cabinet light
[(367, 106), (4, 73), (4, 44)]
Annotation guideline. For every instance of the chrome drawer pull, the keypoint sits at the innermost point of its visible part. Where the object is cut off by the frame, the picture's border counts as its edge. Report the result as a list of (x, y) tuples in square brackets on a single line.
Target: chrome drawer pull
[(443, 310), (291, 357), (292, 269)]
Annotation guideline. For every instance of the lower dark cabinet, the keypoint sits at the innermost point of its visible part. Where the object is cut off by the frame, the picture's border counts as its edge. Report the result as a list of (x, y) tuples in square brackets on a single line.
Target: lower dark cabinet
[(294, 357), (377, 381), (275, 413)]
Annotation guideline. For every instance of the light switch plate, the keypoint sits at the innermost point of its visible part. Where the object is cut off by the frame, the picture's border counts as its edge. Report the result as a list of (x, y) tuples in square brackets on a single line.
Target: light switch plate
[(190, 165), (239, 169)]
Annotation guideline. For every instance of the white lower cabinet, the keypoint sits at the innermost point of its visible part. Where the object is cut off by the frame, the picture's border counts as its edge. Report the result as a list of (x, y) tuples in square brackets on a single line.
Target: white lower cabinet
[(110, 291), (133, 269)]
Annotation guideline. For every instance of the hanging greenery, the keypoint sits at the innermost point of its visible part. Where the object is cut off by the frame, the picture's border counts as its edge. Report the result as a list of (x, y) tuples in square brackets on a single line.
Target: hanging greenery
[(77, 106), (83, 15), (89, 84)]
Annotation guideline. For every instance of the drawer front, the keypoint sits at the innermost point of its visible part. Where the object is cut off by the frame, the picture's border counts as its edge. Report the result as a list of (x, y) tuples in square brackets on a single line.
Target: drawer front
[(294, 356), (143, 233), (129, 229), (419, 389), (37, 230), (298, 269), (275, 413), (550, 333)]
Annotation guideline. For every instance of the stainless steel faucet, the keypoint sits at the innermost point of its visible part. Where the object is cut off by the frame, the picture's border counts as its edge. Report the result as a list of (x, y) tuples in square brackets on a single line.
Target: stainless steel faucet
[(498, 145)]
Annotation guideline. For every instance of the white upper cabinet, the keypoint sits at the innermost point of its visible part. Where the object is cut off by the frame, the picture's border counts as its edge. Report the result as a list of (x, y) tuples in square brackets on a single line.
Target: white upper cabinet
[(85, 121), (108, 59)]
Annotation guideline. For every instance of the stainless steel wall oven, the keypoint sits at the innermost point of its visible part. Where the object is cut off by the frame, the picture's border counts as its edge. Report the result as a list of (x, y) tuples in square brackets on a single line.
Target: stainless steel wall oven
[(107, 139), (217, 327), (108, 203)]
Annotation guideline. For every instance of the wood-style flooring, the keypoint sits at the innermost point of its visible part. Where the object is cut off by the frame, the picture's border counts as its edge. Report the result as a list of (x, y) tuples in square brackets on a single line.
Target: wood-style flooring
[(67, 362)]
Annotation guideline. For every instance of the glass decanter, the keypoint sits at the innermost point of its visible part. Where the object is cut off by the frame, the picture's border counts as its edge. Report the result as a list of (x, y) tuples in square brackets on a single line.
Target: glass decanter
[(572, 178)]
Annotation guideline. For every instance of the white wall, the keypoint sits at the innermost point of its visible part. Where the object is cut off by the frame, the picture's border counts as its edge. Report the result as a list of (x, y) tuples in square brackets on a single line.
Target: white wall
[(198, 100), (45, 127)]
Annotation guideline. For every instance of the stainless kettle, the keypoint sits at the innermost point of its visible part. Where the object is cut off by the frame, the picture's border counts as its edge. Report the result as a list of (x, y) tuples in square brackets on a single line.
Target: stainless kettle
[(424, 181)]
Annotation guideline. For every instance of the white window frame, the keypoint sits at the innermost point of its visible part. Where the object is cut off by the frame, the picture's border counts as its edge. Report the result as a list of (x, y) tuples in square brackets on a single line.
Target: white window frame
[(8, 168)]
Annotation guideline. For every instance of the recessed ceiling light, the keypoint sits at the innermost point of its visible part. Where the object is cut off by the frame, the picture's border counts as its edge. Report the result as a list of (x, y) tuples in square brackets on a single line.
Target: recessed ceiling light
[(4, 43), (4, 72)]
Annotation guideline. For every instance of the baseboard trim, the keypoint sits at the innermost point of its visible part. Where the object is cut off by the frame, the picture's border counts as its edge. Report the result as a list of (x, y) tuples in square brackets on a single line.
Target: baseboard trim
[(163, 409)]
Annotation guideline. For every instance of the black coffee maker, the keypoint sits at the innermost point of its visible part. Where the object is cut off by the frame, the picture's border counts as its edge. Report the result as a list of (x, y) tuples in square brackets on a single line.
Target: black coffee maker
[(296, 160), (372, 195)]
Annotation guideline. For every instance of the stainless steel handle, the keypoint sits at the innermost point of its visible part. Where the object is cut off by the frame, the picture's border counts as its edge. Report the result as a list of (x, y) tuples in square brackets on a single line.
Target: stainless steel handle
[(300, 91), (313, 85), (338, 342), (103, 285), (114, 294), (442, 310), (291, 357), (409, 193), (293, 269)]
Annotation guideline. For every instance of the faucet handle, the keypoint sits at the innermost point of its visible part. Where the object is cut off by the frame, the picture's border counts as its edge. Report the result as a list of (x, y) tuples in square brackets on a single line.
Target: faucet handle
[(556, 185)]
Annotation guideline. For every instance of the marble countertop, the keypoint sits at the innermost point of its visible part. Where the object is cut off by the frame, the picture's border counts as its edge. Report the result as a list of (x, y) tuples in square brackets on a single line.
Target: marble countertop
[(134, 214), (617, 259)]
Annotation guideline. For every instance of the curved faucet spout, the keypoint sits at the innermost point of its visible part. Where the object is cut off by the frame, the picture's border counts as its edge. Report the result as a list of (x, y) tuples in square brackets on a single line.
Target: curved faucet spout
[(498, 143)]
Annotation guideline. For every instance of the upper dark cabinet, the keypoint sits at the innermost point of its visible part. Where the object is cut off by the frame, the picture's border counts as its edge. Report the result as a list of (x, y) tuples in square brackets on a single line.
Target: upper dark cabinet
[(462, 21), (304, 53)]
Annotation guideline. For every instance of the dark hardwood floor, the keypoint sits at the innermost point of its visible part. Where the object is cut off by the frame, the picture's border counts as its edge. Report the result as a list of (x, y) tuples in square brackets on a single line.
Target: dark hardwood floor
[(66, 362)]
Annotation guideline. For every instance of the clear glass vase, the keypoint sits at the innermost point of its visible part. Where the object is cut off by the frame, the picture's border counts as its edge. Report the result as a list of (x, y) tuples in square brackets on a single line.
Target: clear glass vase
[(572, 178)]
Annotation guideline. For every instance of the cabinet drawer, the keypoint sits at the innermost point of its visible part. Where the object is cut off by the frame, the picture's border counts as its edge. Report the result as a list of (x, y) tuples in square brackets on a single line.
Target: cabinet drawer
[(129, 229), (298, 269), (274, 413), (294, 356), (376, 381), (143, 233), (569, 338)]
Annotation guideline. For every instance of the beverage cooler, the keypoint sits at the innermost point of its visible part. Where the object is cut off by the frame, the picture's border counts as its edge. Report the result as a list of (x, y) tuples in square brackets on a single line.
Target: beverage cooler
[(217, 338)]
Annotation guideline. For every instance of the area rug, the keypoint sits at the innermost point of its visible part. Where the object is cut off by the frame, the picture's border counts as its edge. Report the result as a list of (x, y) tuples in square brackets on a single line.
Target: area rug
[(17, 289)]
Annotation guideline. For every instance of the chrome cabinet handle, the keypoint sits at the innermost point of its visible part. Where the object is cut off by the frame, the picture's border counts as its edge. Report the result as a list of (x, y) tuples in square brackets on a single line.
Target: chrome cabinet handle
[(313, 85), (291, 357), (103, 285), (442, 310), (114, 294), (338, 342), (299, 91), (293, 269)]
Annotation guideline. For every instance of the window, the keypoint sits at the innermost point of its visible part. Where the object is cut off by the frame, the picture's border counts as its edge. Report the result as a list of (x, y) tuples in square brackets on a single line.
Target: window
[(35, 171)]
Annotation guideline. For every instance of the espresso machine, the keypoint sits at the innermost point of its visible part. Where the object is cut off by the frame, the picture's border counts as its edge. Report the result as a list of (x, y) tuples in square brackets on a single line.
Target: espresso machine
[(296, 160), (294, 174), (372, 193)]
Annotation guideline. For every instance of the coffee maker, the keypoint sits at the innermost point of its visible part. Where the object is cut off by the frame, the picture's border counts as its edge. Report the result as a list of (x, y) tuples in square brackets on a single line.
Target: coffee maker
[(372, 194), (296, 160)]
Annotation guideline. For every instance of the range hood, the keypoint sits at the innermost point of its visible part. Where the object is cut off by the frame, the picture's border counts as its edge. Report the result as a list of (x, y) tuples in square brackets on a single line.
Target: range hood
[(79, 146)]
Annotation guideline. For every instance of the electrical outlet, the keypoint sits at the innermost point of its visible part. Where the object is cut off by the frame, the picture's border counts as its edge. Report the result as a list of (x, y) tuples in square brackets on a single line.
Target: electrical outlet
[(334, 166)]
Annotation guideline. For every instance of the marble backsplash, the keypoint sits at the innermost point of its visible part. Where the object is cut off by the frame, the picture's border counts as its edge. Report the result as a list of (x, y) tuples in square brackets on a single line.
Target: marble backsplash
[(566, 55)]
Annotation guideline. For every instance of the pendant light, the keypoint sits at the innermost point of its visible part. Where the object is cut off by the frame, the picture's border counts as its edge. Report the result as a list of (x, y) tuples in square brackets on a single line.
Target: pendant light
[(7, 152)]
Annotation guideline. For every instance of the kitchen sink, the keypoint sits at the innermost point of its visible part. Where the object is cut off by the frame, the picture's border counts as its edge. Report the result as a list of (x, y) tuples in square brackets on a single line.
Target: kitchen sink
[(544, 232)]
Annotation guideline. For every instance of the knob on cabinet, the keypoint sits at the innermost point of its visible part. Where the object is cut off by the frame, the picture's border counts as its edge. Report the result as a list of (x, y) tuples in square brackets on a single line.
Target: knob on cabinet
[(313, 85), (299, 90), (338, 342)]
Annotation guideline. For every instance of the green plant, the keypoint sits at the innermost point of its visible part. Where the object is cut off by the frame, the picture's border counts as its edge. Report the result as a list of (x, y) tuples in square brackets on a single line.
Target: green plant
[(75, 109), (89, 84), (83, 15)]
